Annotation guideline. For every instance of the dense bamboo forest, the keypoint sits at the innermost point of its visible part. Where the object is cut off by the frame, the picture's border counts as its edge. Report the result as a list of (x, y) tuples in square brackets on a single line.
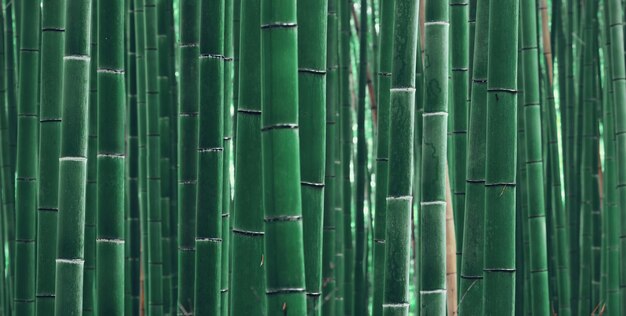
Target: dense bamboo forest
[(312, 157)]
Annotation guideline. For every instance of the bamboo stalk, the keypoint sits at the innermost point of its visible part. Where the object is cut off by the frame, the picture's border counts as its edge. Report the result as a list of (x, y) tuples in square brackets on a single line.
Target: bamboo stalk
[(400, 185), (312, 73), (132, 185), (73, 162), (210, 159), (382, 150), (285, 281), (110, 240), (26, 168), (434, 153), (248, 280), (187, 152), (471, 285), (500, 175), (329, 234), (52, 45)]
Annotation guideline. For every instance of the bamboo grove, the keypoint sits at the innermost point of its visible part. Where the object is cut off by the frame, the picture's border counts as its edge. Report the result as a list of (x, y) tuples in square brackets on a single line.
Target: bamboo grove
[(312, 157)]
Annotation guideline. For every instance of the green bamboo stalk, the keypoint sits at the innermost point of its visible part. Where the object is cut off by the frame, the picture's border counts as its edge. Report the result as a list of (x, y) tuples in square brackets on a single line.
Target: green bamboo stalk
[(522, 206), (329, 245), (52, 40), (172, 186), (27, 175), (73, 162), (562, 249), (499, 265), (133, 233), (281, 159), (110, 240), (187, 151), (619, 100), (165, 98), (585, 304), (91, 197), (141, 132), (227, 200), (360, 167), (10, 154), (346, 157), (210, 159), (11, 82), (248, 280), (535, 185), (613, 216), (434, 152), (382, 150), (417, 160), (153, 174), (471, 285), (459, 64), (400, 174), (312, 20), (4, 179)]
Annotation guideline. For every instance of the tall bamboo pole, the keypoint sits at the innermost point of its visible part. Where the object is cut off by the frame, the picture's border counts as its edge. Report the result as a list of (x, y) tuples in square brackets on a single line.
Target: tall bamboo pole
[(163, 8), (618, 75), (285, 281), (210, 159), (73, 162), (26, 168), (346, 156), (459, 64), (187, 151), (110, 240), (535, 184), (153, 173), (329, 234), (400, 183), (248, 230), (382, 149), (92, 172), (132, 186), (610, 186), (471, 285), (360, 168), (227, 199), (434, 153), (499, 265), (312, 71), (52, 45)]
